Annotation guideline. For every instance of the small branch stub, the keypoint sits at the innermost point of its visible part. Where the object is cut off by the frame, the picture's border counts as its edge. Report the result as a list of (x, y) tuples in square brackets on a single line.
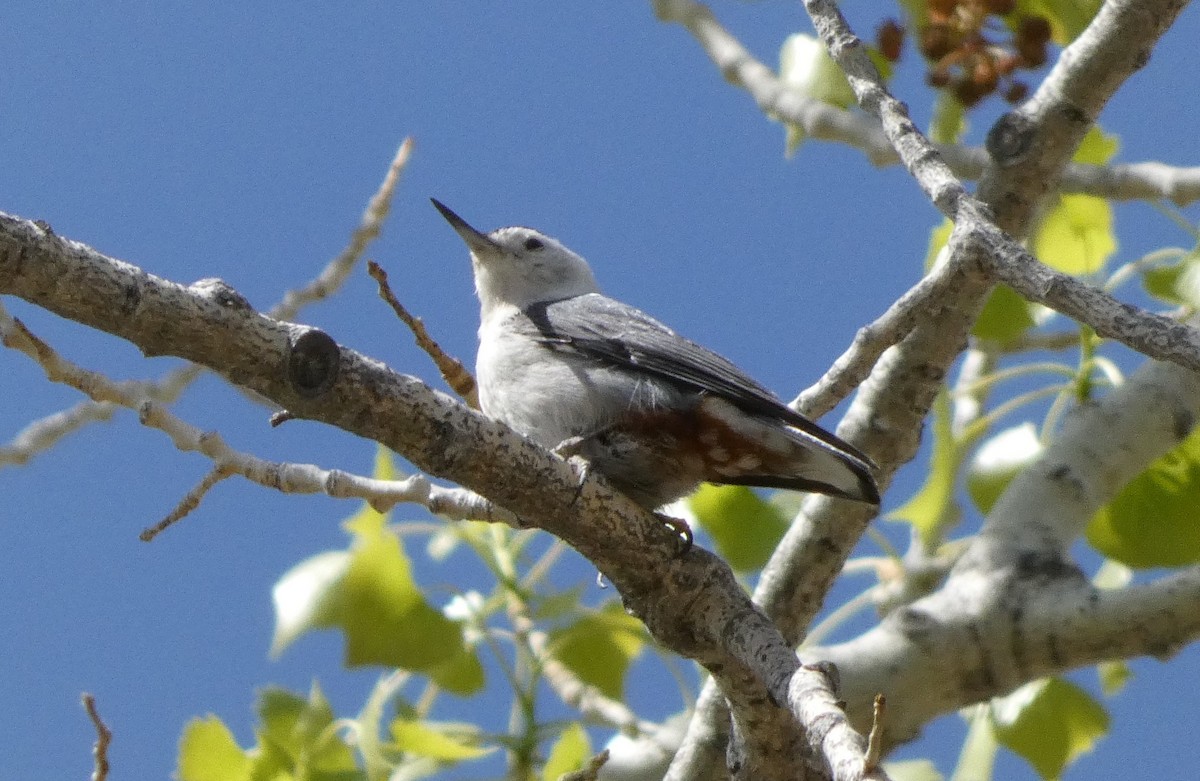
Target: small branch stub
[(312, 363)]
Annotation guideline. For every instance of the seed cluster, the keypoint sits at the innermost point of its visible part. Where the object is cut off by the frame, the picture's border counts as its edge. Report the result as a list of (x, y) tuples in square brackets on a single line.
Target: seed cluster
[(973, 49)]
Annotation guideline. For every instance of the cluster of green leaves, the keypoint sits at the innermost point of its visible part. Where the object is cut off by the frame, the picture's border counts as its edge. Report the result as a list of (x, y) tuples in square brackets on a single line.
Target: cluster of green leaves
[(369, 594)]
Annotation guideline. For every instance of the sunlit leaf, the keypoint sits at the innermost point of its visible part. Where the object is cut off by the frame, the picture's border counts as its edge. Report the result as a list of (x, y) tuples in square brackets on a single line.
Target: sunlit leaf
[(938, 237), (1050, 723), (912, 770), (1178, 284), (977, 758), (306, 597), (805, 65), (1076, 236), (1152, 521), (1068, 18), (443, 742), (933, 507), (1005, 316), (208, 752), (744, 527), (298, 730), (568, 753), (599, 647), (998, 461)]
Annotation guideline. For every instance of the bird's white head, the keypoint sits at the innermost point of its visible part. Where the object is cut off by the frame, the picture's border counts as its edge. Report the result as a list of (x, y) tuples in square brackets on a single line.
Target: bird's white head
[(516, 267)]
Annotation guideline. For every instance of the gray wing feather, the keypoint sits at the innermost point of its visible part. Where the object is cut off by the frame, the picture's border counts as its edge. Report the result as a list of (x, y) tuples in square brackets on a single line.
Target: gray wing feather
[(607, 329)]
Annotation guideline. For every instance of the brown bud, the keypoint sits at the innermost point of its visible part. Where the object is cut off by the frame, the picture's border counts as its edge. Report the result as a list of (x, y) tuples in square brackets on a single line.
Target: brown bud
[(1034, 29), (936, 42), (890, 38), (938, 78), (968, 92), (1007, 63), (1001, 7), (941, 8), (1016, 92), (1033, 54), (984, 74)]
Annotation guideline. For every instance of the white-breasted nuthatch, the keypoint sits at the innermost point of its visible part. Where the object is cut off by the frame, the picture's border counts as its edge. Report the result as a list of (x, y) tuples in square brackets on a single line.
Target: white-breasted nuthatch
[(653, 412)]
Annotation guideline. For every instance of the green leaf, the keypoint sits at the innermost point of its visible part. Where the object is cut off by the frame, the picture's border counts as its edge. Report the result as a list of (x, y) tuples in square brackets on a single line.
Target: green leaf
[(938, 237), (1068, 18), (443, 742), (1005, 316), (462, 674), (297, 736), (933, 507), (1050, 723), (977, 758), (383, 614), (1113, 677), (1097, 147), (1152, 521), (306, 597), (558, 604), (568, 754), (949, 122), (208, 752), (600, 646), (912, 770), (1178, 284), (1076, 235), (998, 461), (805, 65), (744, 527)]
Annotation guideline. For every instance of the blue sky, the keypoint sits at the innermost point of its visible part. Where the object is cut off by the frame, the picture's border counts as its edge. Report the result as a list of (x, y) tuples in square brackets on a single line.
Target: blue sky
[(242, 141)]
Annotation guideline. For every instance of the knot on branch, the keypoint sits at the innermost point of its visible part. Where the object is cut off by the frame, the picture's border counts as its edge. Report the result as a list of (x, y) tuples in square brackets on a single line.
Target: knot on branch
[(220, 291), (312, 363), (1011, 139)]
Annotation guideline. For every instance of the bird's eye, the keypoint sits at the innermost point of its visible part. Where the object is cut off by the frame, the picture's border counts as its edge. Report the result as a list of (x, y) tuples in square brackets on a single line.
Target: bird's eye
[(532, 244)]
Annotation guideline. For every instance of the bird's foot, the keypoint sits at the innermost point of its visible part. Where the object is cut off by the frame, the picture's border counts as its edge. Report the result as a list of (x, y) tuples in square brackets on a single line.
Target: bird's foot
[(682, 531)]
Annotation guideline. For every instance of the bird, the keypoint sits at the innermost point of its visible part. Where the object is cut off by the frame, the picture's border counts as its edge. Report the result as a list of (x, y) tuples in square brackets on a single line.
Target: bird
[(655, 413)]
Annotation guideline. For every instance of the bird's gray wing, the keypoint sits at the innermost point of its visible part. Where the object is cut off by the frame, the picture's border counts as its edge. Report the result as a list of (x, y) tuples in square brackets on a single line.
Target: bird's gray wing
[(617, 333)]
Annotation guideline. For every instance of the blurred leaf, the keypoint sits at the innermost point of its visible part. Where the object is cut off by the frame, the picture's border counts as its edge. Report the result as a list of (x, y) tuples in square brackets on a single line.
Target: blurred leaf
[(208, 752), (1067, 18), (949, 122), (462, 674), (912, 770), (1005, 316), (1113, 677), (558, 604), (977, 758), (1050, 723), (1076, 235), (1178, 284), (938, 237), (306, 597), (600, 646), (1097, 147), (369, 593), (568, 753), (998, 461), (1152, 521), (296, 736), (443, 742), (933, 507), (744, 527), (805, 65)]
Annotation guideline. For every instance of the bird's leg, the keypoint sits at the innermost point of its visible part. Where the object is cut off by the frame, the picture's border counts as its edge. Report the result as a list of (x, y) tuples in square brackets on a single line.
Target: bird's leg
[(681, 529), (569, 449)]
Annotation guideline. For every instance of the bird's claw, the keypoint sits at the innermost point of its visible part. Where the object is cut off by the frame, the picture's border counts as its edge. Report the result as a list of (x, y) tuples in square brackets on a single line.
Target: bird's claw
[(681, 530)]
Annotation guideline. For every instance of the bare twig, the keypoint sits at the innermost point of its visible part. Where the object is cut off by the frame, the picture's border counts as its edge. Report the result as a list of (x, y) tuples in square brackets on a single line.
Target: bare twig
[(452, 503), (1150, 180), (42, 434), (452, 369), (875, 739), (189, 502), (103, 739)]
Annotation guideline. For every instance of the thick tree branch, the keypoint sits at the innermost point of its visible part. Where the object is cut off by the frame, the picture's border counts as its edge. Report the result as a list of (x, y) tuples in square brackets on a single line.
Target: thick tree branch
[(692, 604), (886, 416)]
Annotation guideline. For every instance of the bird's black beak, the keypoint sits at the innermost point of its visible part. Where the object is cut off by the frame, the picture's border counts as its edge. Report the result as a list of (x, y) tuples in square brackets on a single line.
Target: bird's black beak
[(477, 241)]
